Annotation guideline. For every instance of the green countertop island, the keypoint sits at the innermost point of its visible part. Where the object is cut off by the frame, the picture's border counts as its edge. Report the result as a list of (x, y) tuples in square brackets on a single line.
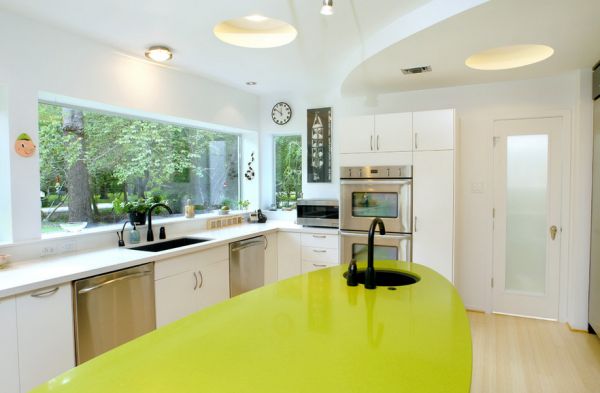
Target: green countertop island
[(309, 333)]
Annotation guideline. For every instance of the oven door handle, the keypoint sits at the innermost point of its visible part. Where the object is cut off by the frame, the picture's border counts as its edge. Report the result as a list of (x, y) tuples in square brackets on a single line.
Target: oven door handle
[(364, 235), (376, 181)]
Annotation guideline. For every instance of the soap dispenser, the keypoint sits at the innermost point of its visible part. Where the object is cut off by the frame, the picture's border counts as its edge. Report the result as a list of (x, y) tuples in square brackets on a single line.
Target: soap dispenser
[(134, 235)]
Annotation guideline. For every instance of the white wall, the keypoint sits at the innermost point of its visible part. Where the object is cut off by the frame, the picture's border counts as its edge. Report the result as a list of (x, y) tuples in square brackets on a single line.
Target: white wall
[(477, 106), (39, 59)]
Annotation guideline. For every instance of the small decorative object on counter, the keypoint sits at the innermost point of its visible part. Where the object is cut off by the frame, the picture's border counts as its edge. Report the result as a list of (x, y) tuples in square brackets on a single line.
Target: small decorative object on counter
[(261, 217), (24, 146), (190, 210), (4, 260), (253, 218), (134, 235)]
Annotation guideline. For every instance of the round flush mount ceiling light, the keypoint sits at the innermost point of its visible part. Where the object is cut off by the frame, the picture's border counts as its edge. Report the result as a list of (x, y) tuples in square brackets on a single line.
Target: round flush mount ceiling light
[(159, 53), (327, 8), (507, 57), (255, 31)]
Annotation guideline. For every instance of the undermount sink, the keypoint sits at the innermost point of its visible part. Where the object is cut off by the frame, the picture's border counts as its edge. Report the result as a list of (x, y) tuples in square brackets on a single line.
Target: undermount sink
[(388, 278), (169, 244)]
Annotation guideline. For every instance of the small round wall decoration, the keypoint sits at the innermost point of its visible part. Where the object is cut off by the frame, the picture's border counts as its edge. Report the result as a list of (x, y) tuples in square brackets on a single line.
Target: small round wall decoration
[(24, 146)]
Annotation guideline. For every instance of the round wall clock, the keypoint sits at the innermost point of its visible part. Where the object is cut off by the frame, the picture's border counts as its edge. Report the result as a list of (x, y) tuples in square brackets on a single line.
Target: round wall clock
[(281, 113)]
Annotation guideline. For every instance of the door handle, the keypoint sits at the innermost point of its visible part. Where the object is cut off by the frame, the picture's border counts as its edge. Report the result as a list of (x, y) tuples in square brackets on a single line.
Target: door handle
[(415, 229), (45, 293), (114, 280), (371, 142), (553, 230), (377, 142), (201, 279), (195, 281), (416, 140)]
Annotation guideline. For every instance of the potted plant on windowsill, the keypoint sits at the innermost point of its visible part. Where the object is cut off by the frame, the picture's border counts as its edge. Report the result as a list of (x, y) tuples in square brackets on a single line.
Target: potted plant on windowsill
[(136, 209)]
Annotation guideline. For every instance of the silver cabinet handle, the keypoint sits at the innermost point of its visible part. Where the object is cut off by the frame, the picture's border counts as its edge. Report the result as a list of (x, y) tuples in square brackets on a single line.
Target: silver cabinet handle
[(266, 241), (45, 293), (316, 265), (371, 142), (415, 223), (201, 279), (195, 281), (135, 275), (320, 251), (416, 140), (319, 236), (377, 141)]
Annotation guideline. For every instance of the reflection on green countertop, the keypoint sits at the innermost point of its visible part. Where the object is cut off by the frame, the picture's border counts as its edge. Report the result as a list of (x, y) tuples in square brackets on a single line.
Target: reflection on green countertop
[(309, 333)]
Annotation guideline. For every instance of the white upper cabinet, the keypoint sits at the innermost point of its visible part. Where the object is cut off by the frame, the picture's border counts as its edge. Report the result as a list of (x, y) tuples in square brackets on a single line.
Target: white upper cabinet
[(9, 358), (433, 130), (393, 132), (45, 326), (356, 134)]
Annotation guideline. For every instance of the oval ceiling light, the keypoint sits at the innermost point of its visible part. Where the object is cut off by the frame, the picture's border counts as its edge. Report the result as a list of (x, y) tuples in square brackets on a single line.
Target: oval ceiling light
[(159, 53), (507, 57), (255, 31)]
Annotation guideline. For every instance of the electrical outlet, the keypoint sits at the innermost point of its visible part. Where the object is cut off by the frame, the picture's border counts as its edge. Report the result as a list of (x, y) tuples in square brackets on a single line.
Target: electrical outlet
[(48, 250), (69, 247)]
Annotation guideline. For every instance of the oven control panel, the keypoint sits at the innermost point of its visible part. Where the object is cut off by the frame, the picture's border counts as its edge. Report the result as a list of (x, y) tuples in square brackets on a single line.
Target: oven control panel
[(376, 172)]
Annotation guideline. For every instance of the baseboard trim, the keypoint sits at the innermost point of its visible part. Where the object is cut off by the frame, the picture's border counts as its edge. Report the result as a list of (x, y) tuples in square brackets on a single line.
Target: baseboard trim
[(576, 330)]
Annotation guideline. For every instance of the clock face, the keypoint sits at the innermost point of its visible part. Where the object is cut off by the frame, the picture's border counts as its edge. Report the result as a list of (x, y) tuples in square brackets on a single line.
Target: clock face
[(281, 113)]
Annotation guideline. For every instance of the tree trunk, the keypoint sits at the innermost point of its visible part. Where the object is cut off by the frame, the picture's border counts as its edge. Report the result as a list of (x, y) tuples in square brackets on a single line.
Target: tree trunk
[(78, 178)]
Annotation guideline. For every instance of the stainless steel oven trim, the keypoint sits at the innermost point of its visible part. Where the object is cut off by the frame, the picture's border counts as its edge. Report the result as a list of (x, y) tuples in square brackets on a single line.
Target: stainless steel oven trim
[(380, 240), (318, 222), (375, 182), (317, 202)]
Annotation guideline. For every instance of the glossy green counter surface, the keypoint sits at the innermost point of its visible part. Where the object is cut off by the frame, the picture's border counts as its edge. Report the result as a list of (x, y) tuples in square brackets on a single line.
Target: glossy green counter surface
[(310, 333)]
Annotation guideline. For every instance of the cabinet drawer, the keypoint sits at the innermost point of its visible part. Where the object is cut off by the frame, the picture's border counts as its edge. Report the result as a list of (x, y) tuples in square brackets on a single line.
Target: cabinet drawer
[(318, 254), (319, 240), (189, 262), (309, 266)]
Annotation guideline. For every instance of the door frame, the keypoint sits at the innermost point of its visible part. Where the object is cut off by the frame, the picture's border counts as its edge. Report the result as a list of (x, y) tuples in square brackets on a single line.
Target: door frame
[(566, 151)]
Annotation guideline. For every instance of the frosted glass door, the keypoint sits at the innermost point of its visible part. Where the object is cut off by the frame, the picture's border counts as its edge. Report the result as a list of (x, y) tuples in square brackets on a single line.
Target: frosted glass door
[(527, 199)]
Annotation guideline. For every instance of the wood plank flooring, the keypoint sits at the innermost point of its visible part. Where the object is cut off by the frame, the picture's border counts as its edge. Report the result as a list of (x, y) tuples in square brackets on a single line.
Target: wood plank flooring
[(521, 355)]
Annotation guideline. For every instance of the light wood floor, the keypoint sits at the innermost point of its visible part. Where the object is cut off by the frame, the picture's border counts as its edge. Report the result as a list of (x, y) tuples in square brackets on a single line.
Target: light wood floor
[(521, 355)]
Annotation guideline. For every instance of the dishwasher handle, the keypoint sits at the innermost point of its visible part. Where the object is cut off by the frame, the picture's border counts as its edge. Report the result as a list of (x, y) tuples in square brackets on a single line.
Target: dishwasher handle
[(114, 280), (249, 244)]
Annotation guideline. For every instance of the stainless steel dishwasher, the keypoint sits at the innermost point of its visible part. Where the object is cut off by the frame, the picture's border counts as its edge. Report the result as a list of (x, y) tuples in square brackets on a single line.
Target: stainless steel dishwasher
[(111, 309), (247, 265)]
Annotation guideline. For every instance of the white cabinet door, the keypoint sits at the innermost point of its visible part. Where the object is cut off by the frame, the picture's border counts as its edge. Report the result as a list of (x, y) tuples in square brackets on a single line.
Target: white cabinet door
[(433, 130), (356, 134), (46, 341), (271, 258), (9, 357), (393, 132), (289, 255), (176, 297), (214, 283), (433, 209)]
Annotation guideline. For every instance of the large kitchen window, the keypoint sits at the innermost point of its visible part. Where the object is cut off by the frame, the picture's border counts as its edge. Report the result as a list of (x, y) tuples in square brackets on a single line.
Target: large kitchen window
[(96, 167), (288, 170)]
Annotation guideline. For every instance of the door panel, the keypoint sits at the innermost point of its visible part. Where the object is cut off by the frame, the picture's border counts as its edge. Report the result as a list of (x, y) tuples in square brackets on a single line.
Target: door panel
[(433, 226), (393, 132), (433, 130), (214, 283), (527, 200), (176, 297)]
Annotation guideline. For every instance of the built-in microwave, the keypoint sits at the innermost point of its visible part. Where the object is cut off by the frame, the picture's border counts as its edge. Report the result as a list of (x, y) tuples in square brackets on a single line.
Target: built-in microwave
[(318, 212), (369, 192)]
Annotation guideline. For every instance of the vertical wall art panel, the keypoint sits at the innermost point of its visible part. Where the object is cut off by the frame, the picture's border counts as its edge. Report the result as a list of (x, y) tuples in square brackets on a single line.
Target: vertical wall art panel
[(319, 145)]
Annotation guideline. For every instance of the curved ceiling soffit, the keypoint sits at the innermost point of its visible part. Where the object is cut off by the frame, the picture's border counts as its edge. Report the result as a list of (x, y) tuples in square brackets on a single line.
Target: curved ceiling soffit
[(420, 19)]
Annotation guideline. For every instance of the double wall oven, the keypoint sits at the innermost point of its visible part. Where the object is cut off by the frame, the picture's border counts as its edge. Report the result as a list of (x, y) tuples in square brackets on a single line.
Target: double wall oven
[(369, 192)]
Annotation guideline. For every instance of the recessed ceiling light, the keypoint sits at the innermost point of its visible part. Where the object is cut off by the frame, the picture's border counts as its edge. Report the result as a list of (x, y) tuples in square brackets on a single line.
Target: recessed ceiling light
[(256, 18), (327, 8), (253, 32), (159, 53), (507, 57), (251, 83)]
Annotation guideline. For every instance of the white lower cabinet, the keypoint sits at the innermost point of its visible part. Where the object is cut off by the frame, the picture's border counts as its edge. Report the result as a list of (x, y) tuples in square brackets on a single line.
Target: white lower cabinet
[(188, 283), (319, 251), (45, 339), (271, 258), (9, 356), (289, 255)]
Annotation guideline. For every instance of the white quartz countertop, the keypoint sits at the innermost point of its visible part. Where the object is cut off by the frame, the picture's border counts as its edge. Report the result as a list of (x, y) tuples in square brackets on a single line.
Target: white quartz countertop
[(31, 275)]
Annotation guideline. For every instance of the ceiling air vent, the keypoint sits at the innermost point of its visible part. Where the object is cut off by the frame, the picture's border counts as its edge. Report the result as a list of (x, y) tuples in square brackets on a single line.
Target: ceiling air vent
[(416, 70)]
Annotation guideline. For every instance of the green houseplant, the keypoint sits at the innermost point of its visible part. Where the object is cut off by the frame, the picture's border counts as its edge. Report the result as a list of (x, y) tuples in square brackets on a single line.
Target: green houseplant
[(136, 209)]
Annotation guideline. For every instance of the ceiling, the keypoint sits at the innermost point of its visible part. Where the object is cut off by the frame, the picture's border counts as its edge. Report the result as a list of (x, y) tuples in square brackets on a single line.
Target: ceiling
[(570, 27), (359, 49)]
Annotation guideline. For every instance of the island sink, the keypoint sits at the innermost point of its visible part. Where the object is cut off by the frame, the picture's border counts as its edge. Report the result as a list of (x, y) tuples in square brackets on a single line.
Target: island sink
[(169, 244), (387, 278)]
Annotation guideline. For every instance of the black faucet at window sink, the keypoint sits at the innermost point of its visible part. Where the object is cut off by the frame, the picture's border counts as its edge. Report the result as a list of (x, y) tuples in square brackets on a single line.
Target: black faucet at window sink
[(370, 272), (150, 235)]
